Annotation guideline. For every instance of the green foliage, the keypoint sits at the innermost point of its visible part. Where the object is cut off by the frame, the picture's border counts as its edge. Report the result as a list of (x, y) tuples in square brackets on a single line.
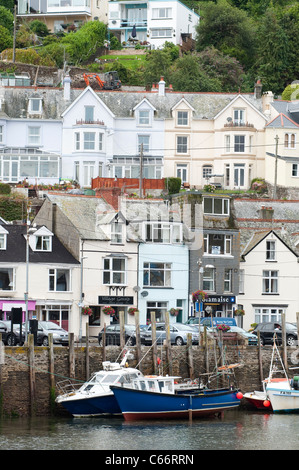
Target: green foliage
[(29, 56), (6, 19), (6, 40), (39, 28), (157, 65), (291, 92), (82, 44), (12, 208), (5, 188), (173, 185)]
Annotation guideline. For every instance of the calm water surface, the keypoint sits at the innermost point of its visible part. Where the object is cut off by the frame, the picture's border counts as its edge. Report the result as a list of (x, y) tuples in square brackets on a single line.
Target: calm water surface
[(236, 430)]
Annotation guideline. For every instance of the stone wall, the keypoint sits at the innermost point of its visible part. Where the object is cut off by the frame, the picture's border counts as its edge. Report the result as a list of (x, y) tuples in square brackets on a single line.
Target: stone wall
[(15, 389)]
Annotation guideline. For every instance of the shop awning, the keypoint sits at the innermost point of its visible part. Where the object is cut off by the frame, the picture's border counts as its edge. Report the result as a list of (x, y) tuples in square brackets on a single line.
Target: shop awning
[(7, 305)]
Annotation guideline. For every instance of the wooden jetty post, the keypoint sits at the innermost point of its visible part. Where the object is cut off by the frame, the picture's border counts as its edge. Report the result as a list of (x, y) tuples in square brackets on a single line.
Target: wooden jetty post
[(168, 343), (154, 342), (122, 329), (87, 373), (104, 343), (51, 361), (190, 355), (260, 355), (72, 355), (297, 321), (284, 340), (138, 343), (31, 373)]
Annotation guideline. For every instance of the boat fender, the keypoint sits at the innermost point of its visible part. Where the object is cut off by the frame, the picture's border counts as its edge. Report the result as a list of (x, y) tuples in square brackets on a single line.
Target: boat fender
[(266, 403), (239, 395)]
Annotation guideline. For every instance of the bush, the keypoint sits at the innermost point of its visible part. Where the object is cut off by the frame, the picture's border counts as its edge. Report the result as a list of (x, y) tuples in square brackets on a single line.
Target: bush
[(5, 188), (173, 185)]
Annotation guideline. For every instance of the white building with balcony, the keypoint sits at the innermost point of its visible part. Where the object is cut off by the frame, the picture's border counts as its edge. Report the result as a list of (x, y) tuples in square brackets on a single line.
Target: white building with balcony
[(151, 21)]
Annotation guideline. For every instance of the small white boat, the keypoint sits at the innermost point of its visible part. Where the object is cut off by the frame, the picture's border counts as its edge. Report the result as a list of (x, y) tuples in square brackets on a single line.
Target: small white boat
[(94, 397), (284, 396)]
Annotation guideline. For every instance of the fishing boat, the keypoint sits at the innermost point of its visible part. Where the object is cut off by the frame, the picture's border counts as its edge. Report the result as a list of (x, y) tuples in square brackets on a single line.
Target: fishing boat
[(94, 397), (260, 399), (156, 398)]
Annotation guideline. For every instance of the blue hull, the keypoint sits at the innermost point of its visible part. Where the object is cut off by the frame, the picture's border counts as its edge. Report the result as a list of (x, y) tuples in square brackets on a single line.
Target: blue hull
[(92, 406), (136, 404)]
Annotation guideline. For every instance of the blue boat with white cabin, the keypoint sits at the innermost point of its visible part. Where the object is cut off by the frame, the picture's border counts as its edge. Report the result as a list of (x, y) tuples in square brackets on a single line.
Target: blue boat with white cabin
[(158, 397)]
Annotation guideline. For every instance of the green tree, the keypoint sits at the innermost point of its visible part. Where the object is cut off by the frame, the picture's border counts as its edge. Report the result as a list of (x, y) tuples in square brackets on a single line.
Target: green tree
[(272, 63), (228, 29), (6, 40), (187, 74), (157, 65), (39, 28), (82, 44), (6, 19)]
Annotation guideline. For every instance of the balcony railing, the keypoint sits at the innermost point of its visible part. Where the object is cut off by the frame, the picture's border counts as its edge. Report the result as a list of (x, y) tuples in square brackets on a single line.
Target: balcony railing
[(125, 23), (238, 124)]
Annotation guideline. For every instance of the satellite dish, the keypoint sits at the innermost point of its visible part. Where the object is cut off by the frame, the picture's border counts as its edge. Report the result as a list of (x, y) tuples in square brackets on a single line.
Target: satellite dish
[(136, 288), (144, 293)]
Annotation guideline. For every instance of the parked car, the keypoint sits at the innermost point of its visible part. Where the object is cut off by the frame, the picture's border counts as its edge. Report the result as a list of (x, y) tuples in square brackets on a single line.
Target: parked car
[(113, 335), (44, 328), (9, 338), (252, 339), (267, 331), (178, 334)]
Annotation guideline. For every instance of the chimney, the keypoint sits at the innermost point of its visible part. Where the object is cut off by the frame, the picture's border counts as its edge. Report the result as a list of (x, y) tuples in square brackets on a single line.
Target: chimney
[(258, 90), (110, 195), (67, 88), (161, 87)]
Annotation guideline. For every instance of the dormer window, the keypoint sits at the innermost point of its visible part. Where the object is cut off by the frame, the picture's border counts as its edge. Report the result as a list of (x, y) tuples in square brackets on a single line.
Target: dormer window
[(144, 117), (43, 243), (116, 232), (35, 106), (3, 238)]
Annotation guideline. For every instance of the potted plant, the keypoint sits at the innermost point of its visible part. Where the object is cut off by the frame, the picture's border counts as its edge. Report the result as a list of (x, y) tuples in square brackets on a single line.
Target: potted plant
[(108, 310), (86, 311), (239, 312), (224, 328), (174, 312), (199, 296), (133, 310)]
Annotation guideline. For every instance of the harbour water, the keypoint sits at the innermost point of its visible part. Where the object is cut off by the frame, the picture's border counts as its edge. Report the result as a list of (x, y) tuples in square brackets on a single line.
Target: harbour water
[(236, 430)]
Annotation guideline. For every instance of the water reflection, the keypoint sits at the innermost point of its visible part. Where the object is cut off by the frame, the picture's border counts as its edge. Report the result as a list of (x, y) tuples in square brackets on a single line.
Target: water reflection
[(236, 430)]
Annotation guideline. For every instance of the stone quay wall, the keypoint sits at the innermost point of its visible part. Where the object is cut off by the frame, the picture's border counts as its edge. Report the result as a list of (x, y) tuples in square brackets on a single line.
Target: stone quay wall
[(27, 387)]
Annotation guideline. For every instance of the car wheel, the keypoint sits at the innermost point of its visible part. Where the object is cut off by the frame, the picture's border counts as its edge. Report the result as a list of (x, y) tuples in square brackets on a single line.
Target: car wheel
[(291, 340), (179, 341), (45, 341), (11, 340)]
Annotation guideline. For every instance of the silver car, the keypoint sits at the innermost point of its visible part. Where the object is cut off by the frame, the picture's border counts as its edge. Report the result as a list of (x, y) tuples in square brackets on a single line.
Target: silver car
[(178, 334)]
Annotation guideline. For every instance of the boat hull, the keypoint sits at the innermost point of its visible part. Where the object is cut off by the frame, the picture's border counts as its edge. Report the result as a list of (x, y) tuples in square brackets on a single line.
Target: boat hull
[(257, 400), (91, 406), (283, 400), (144, 405)]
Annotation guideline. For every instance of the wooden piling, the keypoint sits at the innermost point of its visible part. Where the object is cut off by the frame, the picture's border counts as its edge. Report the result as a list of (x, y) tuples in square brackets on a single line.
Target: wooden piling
[(138, 343), (260, 355), (51, 361), (284, 340), (168, 343), (87, 373), (31, 373), (154, 342), (122, 329), (190, 355), (72, 355)]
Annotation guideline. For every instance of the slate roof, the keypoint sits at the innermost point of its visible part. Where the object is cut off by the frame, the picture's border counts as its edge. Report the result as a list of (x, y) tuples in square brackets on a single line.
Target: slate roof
[(121, 103), (16, 249), (289, 109)]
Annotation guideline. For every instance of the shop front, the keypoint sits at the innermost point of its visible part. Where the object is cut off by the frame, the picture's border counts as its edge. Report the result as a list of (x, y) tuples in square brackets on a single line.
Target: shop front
[(216, 305), (7, 305), (102, 315)]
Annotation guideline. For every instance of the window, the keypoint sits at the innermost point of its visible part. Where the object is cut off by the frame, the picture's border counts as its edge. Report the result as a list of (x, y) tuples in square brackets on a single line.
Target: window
[(182, 118), (209, 279), (239, 145), (116, 232), (295, 169), (159, 13), (59, 280), (181, 172), (241, 281), (33, 135), (182, 144), (217, 244), (268, 314), (35, 106), (144, 117), (227, 143), (77, 140), (160, 308), (156, 274), (227, 280), (162, 33), (2, 241), (89, 140), (114, 271), (290, 141), (1, 134), (216, 206), (239, 115), (239, 175), (89, 113), (270, 282), (270, 250), (163, 233), (7, 279), (145, 141), (43, 243), (100, 141), (206, 171)]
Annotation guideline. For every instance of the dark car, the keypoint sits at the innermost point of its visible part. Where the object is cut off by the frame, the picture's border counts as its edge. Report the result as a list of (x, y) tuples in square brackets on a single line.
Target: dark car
[(9, 338), (113, 335), (178, 334), (268, 330)]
